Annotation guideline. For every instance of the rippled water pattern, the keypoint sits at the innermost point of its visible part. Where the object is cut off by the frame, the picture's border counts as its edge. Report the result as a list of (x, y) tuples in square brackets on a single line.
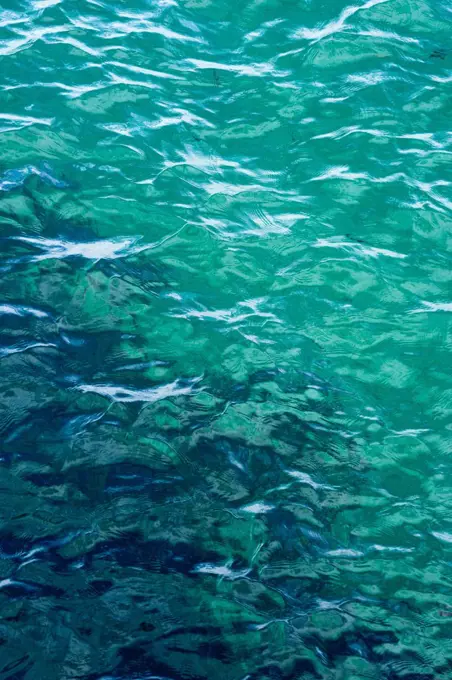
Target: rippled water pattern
[(225, 306)]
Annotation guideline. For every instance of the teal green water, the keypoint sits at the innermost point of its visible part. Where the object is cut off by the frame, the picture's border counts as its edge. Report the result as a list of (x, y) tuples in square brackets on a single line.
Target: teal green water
[(225, 335)]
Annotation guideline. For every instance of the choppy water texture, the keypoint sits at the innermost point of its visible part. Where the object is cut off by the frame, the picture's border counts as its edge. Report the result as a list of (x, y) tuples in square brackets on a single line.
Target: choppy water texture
[(225, 305)]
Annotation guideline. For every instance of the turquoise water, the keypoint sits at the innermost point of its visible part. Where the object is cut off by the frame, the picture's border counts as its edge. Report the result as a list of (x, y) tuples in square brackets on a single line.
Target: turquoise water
[(225, 305)]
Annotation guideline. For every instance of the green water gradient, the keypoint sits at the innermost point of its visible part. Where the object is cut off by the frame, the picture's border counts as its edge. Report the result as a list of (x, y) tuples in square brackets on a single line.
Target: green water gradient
[(225, 334)]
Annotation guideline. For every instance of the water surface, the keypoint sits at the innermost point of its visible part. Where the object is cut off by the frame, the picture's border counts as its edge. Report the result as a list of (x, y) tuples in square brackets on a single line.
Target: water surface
[(225, 334)]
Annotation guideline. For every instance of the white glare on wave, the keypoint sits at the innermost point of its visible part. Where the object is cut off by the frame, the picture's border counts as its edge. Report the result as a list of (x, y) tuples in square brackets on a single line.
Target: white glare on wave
[(16, 177), (433, 307), (335, 25), (220, 570), (125, 394), (19, 310), (258, 70), (257, 508), (14, 122), (339, 172), (143, 26), (344, 552), (43, 4), (24, 347), (365, 250), (388, 35), (91, 250), (442, 536), (307, 479), (345, 131)]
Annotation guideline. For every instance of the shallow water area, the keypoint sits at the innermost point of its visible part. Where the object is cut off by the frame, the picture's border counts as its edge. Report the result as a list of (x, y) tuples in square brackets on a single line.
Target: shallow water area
[(225, 335)]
